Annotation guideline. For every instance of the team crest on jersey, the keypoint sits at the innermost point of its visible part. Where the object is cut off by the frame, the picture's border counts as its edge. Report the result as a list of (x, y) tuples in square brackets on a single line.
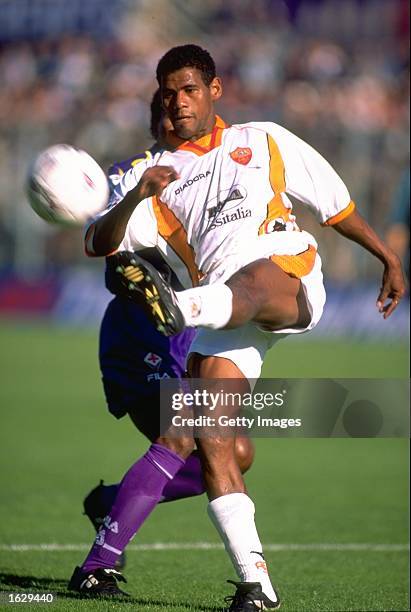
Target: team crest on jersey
[(152, 360), (241, 155)]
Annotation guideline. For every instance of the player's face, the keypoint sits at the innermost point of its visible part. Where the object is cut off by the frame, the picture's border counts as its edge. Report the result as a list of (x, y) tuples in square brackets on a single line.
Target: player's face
[(189, 102)]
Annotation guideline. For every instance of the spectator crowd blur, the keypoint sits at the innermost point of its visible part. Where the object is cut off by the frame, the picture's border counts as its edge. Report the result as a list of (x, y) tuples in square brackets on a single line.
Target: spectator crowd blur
[(335, 73)]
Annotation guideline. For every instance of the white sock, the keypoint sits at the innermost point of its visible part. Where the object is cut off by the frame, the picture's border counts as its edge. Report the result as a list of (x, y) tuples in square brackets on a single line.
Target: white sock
[(208, 306), (233, 516)]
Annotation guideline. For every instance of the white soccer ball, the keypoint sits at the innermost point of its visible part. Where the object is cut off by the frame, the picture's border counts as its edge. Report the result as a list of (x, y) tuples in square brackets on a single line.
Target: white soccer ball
[(66, 185)]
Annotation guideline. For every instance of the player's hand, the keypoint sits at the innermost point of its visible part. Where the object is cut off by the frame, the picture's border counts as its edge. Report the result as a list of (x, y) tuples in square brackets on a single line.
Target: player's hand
[(155, 180), (393, 287)]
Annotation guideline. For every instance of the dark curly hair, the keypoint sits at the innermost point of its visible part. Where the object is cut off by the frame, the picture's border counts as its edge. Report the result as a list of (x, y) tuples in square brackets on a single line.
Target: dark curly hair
[(156, 112), (185, 56)]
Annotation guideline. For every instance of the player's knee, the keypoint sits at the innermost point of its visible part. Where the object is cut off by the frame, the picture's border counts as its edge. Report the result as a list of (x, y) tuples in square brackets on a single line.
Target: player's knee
[(244, 453)]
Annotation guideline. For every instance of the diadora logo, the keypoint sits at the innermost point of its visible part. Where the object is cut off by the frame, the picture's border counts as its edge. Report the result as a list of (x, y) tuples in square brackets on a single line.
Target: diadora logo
[(241, 155), (191, 181), (153, 360), (228, 209)]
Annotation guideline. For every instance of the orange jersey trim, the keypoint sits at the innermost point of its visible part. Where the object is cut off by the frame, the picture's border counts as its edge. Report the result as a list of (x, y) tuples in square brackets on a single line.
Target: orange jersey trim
[(275, 207), (343, 214), (297, 265), (207, 143), (171, 229)]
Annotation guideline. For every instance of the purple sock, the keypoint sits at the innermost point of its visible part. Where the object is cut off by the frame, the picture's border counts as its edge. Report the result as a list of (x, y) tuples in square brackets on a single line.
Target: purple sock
[(139, 493), (188, 482)]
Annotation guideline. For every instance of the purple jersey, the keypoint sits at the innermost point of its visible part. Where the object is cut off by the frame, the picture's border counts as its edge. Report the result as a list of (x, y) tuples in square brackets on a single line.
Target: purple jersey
[(116, 171), (134, 356)]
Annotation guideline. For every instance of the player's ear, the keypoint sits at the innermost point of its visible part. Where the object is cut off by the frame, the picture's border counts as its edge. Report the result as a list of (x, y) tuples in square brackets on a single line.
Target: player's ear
[(216, 88)]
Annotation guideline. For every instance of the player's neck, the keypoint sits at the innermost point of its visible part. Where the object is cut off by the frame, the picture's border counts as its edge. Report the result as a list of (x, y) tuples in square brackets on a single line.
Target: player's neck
[(206, 131)]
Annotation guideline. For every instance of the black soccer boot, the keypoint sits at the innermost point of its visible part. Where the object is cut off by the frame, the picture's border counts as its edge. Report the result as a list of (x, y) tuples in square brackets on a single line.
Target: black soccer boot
[(144, 283), (97, 583), (249, 597), (96, 508)]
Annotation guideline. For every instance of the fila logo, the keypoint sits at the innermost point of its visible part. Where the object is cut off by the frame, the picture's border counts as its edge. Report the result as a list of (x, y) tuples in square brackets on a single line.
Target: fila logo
[(241, 155), (153, 360), (112, 525), (157, 376), (100, 537)]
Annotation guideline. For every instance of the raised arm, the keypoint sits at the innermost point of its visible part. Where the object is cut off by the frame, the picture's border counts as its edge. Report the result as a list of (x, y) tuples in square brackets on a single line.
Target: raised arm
[(354, 227), (107, 232)]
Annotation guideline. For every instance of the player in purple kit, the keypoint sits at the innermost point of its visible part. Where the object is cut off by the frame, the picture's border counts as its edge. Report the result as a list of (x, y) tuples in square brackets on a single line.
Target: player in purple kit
[(134, 357)]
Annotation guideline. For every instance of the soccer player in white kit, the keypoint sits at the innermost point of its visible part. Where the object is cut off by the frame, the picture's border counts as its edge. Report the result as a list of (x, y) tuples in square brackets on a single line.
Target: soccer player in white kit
[(224, 219)]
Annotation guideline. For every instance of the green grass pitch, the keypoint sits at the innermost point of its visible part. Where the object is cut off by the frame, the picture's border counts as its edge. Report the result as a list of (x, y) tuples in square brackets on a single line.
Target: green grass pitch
[(315, 497)]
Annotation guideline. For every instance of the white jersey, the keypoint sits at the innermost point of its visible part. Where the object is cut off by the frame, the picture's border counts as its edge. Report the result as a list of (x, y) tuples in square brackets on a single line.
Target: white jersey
[(230, 204)]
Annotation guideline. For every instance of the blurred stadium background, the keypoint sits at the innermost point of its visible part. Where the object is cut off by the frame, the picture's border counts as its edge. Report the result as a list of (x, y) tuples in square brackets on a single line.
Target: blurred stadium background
[(335, 73)]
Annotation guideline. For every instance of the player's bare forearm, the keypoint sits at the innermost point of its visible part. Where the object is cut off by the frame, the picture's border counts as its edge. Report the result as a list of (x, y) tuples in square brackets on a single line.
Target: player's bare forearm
[(354, 227), (109, 230)]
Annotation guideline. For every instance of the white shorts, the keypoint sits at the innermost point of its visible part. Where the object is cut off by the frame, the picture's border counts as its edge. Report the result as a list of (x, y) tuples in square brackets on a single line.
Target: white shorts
[(247, 346), (277, 243)]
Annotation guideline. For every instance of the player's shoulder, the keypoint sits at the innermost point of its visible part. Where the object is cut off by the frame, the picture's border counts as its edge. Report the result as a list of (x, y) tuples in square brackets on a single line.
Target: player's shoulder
[(262, 126), (121, 167), (281, 136)]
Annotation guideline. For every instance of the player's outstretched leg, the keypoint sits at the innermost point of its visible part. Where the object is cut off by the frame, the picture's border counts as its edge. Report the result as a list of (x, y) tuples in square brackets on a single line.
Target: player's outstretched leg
[(261, 292)]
